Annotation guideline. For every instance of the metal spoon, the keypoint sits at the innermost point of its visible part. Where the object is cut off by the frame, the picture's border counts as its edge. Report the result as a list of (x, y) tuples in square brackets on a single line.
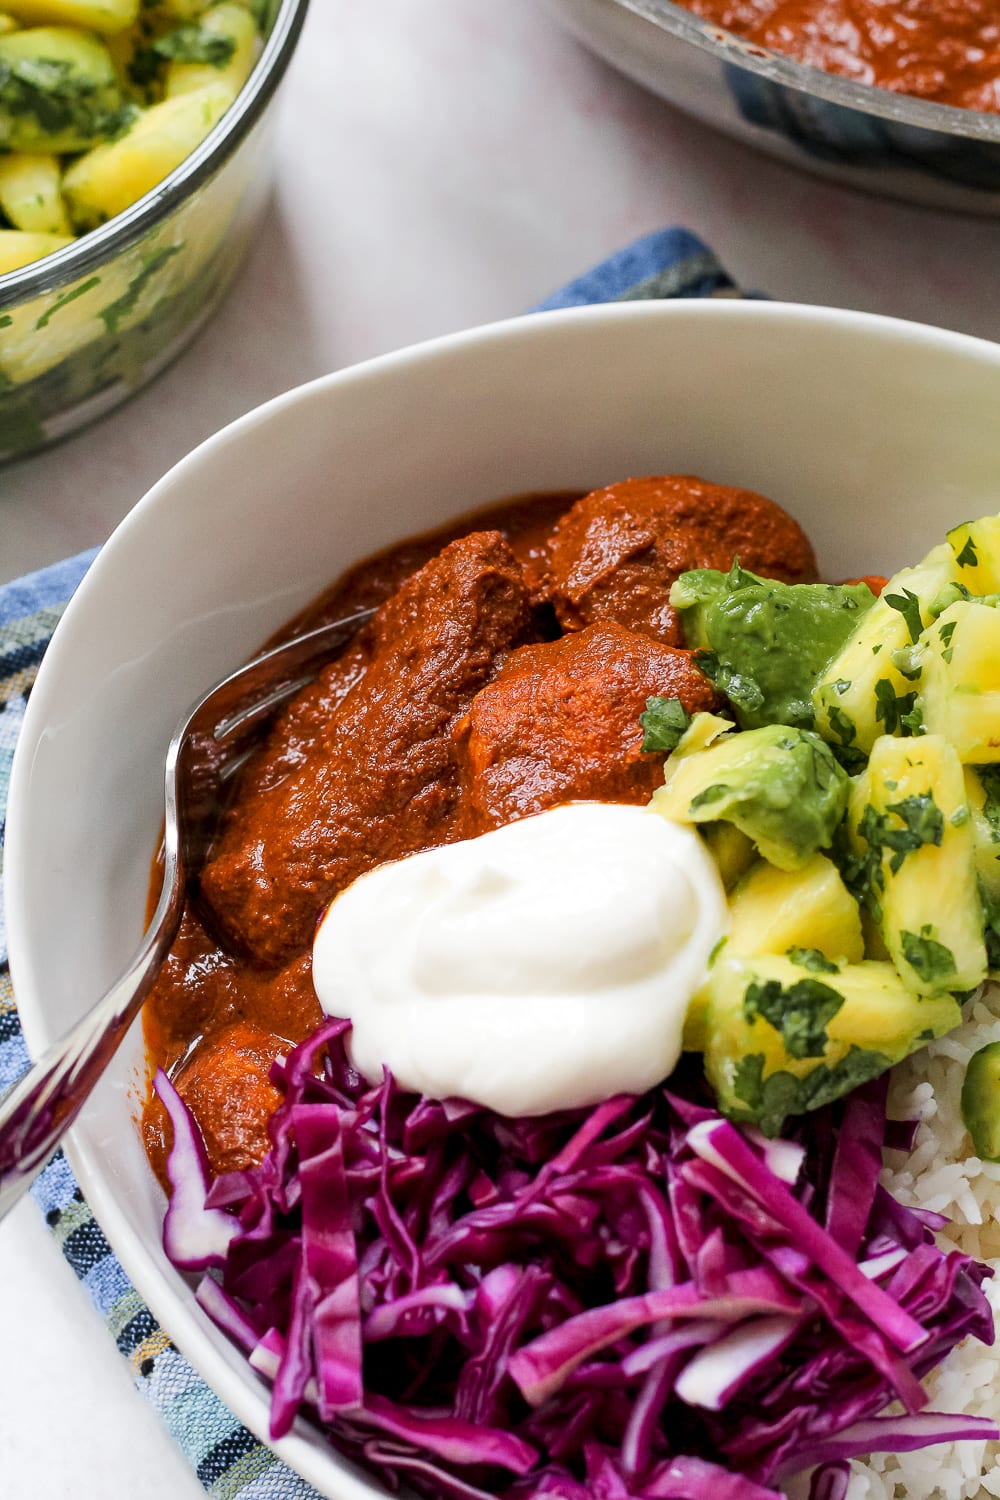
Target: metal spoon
[(209, 745)]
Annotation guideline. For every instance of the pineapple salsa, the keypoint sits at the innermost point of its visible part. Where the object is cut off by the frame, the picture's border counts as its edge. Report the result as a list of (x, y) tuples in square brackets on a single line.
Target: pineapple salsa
[(852, 804), (101, 99)]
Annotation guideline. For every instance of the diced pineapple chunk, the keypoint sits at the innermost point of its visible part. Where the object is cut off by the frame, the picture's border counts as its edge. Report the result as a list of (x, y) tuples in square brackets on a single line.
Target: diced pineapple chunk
[(849, 704), (109, 178), (107, 16), (175, 10), (19, 249), (732, 851), (976, 545), (31, 193), (775, 910), (922, 871), (960, 680), (231, 23), (64, 90), (781, 1038)]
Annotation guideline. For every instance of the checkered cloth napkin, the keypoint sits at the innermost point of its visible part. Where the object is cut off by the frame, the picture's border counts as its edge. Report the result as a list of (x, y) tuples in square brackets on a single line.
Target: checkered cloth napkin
[(229, 1461)]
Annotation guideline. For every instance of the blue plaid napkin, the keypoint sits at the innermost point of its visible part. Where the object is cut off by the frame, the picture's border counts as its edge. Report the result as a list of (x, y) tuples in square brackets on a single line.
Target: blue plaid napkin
[(229, 1461)]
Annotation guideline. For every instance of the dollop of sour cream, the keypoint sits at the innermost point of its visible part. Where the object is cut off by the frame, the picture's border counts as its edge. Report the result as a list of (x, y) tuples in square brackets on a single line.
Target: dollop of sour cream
[(544, 965)]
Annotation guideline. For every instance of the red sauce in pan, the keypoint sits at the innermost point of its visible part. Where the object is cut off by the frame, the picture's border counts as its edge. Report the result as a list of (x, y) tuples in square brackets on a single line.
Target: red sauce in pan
[(947, 51)]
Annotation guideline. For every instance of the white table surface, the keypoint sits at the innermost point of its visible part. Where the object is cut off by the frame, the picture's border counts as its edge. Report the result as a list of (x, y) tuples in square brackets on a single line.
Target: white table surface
[(441, 163)]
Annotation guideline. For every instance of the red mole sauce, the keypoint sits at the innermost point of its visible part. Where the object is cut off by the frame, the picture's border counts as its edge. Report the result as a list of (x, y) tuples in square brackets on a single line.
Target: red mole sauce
[(503, 673), (943, 50)]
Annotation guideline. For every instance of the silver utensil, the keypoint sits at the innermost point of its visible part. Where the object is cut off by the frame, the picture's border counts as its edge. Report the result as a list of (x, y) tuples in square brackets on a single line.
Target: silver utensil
[(208, 747)]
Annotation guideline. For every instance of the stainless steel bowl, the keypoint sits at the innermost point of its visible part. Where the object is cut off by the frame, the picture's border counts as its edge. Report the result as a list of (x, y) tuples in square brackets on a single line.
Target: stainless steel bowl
[(83, 329), (869, 138)]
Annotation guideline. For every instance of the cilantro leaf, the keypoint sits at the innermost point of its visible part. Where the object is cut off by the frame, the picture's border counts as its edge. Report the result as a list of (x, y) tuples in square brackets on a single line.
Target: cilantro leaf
[(664, 722), (842, 726), (799, 1012), (769, 1100), (60, 98), (812, 958), (739, 687), (891, 707), (929, 959), (908, 606), (968, 557), (115, 312), (922, 823)]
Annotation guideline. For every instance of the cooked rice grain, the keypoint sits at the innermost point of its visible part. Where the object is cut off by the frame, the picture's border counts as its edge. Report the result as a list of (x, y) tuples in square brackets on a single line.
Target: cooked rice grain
[(941, 1174)]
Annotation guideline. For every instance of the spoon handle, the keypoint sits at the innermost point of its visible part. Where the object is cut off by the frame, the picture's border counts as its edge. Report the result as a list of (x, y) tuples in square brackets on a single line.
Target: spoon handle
[(46, 1101)]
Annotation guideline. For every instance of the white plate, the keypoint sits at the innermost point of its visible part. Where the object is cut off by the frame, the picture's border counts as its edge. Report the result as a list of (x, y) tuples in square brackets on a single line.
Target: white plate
[(877, 435)]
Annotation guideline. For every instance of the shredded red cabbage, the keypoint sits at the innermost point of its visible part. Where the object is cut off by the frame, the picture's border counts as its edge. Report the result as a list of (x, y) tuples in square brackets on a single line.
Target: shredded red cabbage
[(636, 1302)]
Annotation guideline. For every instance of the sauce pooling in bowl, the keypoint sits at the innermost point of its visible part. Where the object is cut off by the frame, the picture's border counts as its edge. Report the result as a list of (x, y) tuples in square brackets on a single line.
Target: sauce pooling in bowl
[(503, 674)]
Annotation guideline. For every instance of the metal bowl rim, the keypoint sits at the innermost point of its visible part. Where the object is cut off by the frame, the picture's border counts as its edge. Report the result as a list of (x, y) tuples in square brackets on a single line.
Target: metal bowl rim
[(901, 109)]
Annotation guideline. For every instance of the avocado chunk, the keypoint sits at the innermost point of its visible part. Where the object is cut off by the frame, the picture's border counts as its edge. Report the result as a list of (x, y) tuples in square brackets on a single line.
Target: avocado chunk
[(783, 1035), (981, 1101), (781, 787), (914, 862), (764, 643)]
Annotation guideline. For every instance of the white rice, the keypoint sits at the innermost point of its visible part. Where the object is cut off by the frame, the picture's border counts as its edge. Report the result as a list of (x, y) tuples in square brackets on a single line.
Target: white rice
[(940, 1174)]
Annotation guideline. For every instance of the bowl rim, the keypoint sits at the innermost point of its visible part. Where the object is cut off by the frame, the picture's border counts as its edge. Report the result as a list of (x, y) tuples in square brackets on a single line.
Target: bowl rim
[(93, 249), (901, 109), (244, 1393)]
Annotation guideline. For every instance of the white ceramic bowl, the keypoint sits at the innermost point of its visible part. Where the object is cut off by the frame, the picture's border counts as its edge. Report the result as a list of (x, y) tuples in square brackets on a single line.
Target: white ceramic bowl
[(876, 434)]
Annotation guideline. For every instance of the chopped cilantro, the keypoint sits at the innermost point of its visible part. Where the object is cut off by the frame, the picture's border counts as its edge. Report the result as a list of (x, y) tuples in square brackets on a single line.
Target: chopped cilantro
[(812, 958), (928, 958), (192, 43), (115, 312), (60, 99), (663, 723), (842, 726), (799, 1012), (912, 721), (908, 606), (968, 557), (923, 823), (914, 822), (769, 1100), (738, 687), (851, 760), (892, 707), (66, 298), (946, 632)]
